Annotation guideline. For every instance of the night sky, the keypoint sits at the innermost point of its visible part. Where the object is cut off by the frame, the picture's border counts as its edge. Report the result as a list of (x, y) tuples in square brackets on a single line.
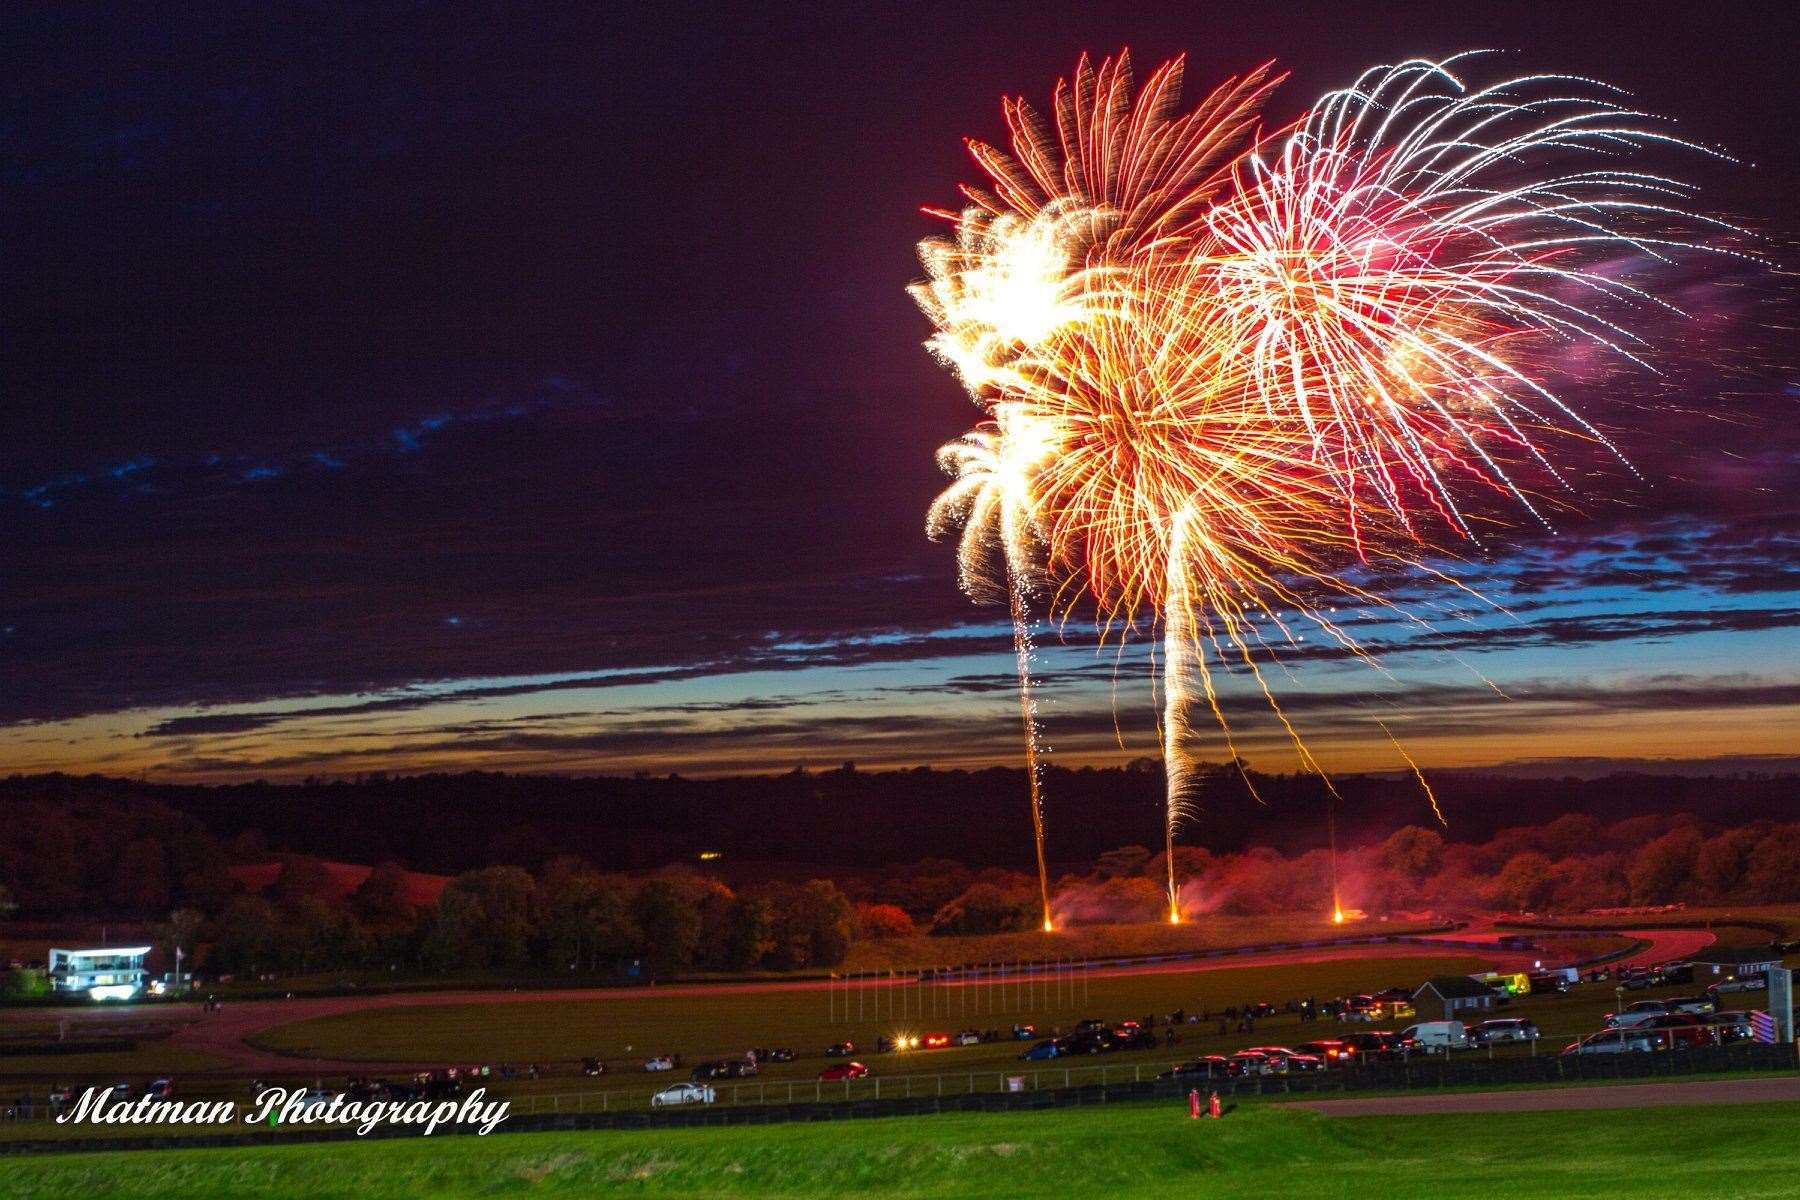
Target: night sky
[(400, 387)]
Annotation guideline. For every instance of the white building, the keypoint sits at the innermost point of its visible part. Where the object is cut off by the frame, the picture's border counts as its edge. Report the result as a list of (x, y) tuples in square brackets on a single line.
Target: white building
[(104, 973)]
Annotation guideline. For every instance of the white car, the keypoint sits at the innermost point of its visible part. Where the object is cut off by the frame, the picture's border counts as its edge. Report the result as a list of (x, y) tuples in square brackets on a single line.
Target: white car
[(683, 1093), (661, 1062), (315, 1098), (1613, 1041), (1641, 1013), (967, 1037)]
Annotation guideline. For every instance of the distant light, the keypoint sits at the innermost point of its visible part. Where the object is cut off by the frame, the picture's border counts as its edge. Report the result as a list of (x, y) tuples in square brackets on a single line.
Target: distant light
[(113, 991), (710, 855)]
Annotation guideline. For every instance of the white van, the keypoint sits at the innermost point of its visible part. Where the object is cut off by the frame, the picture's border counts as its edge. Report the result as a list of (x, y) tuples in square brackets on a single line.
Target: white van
[(1431, 1036)]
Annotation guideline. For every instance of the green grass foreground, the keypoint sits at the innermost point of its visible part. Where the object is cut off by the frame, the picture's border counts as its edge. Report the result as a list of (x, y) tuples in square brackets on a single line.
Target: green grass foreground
[(1263, 1152)]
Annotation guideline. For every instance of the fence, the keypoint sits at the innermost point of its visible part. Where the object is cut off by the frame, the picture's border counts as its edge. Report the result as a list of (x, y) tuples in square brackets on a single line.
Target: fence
[(1435, 1073), (1431, 1072), (1026, 985)]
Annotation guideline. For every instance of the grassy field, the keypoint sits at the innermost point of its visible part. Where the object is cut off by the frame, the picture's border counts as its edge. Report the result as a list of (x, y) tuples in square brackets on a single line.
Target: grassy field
[(556, 1032), (1265, 1152), (715, 1025), (1099, 941)]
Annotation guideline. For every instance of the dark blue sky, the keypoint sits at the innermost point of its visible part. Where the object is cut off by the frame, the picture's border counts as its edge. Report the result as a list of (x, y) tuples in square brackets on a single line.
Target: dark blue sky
[(401, 385)]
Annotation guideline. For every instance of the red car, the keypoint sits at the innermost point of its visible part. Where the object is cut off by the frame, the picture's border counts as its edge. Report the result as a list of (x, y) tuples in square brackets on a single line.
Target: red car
[(849, 1070), (1681, 1029), (935, 1041)]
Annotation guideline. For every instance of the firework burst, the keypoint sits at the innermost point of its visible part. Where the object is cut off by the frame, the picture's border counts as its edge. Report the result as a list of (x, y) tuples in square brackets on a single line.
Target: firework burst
[(1222, 374)]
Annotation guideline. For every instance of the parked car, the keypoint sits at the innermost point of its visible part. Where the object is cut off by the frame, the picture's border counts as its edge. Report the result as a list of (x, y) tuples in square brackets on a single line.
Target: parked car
[(593, 1066), (1641, 1013), (1135, 1037), (1504, 1029), (683, 1093), (937, 1041), (1683, 1029), (1089, 1041), (778, 1054), (1673, 972), (1252, 1062), (846, 1070), (1436, 1035), (661, 1062), (314, 1099), (1547, 984), (1731, 1026), (1613, 1041), (1024, 1033), (1046, 1049), (1698, 1005), (717, 1069), (1376, 1045), (1331, 1052), (840, 1050), (967, 1037), (1741, 983), (1207, 1066), (1287, 1060)]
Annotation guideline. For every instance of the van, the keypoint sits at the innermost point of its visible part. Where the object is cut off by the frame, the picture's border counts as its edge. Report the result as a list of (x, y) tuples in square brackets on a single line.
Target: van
[(1436, 1035)]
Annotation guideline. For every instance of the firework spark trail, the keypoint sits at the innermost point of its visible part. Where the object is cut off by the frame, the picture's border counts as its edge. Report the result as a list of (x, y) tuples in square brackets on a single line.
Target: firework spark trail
[(1022, 654), (990, 499), (1180, 643), (1220, 378), (1430, 795)]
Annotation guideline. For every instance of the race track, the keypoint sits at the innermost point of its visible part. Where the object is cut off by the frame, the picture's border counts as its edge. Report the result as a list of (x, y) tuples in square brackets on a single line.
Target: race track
[(225, 1035)]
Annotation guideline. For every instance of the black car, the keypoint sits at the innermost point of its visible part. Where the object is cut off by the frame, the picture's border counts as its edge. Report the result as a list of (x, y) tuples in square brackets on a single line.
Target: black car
[(840, 1050), (1378, 1045), (778, 1054), (1134, 1038), (717, 1069), (1209, 1066)]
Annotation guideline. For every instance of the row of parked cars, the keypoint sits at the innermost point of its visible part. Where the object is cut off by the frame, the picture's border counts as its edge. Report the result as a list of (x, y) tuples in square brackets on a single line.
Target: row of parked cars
[(1357, 1049), (1093, 1036), (1682, 1021)]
